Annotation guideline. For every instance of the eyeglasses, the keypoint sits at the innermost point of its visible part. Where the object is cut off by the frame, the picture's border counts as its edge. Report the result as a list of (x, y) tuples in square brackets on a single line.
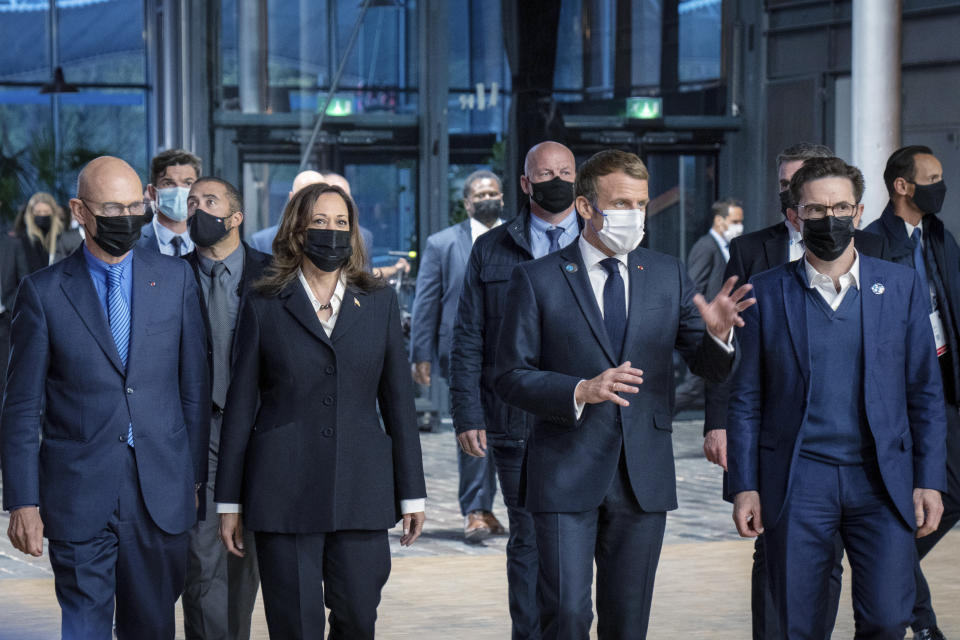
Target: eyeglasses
[(816, 211), (112, 209)]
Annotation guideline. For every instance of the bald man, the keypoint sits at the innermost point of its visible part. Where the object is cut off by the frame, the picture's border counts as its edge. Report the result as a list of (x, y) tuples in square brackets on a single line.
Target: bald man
[(108, 365), (484, 422)]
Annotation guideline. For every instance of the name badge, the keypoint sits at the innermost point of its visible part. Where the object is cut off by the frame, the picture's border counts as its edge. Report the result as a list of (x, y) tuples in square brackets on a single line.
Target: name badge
[(939, 337)]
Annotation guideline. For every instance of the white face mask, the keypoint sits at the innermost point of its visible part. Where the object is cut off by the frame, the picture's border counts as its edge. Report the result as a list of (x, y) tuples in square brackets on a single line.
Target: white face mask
[(734, 229), (622, 229), (172, 202)]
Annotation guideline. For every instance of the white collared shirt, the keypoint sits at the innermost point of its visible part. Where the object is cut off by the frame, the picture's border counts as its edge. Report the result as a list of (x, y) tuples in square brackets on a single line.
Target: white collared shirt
[(335, 301), (598, 275), (414, 505), (796, 242), (722, 243), (477, 228), (824, 283)]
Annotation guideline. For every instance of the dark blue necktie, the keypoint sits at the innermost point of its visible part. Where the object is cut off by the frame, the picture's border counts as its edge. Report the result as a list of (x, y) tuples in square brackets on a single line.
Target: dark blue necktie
[(614, 304), (553, 235), (918, 261), (119, 314)]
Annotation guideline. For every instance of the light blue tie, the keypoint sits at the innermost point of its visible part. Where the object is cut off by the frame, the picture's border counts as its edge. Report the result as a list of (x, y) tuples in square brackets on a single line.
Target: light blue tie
[(119, 314), (553, 235)]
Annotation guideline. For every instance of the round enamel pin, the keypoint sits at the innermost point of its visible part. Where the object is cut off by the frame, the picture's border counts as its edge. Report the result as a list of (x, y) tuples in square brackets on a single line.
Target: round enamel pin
[(877, 288), (570, 267)]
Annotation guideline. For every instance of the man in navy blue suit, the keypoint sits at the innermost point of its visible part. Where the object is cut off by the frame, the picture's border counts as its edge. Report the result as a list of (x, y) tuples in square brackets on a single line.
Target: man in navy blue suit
[(857, 444), (106, 417), (439, 283), (599, 469)]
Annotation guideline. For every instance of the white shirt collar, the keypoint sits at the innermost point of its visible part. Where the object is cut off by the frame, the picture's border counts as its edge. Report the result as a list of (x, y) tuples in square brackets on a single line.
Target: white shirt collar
[(910, 229), (592, 256), (850, 278), (335, 299), (477, 228)]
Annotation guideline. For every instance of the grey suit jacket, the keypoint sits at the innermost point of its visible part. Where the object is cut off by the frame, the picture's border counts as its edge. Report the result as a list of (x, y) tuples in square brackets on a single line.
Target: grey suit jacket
[(439, 282), (706, 265)]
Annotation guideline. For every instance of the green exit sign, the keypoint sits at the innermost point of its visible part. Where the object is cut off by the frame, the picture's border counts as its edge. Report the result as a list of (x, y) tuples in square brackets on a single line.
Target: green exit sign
[(340, 107), (645, 108)]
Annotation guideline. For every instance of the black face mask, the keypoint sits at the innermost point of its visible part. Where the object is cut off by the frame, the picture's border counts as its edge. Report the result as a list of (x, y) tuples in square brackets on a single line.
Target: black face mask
[(206, 229), (554, 195), (828, 237), (43, 222), (117, 234), (487, 211), (785, 201), (929, 197), (328, 249)]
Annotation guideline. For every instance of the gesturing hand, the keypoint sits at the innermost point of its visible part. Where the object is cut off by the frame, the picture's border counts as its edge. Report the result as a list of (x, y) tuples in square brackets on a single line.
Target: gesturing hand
[(722, 313), (608, 384)]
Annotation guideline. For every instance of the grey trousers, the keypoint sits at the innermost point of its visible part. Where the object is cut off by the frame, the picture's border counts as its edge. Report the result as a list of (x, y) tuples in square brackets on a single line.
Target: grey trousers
[(221, 588)]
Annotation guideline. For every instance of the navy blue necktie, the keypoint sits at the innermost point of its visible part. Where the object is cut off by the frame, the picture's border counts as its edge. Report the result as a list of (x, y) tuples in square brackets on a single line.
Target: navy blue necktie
[(177, 243), (553, 235), (614, 304), (119, 314), (918, 261)]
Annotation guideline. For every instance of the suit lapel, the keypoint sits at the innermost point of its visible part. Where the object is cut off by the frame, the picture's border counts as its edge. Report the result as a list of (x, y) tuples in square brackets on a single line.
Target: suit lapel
[(298, 304), (78, 289), (639, 284), (871, 312), (571, 264), (465, 240), (795, 309), (353, 305)]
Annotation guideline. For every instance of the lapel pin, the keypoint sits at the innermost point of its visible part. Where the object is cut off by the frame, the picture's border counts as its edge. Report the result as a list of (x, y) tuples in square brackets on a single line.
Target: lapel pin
[(878, 288), (640, 267), (571, 267), (152, 283), (356, 302)]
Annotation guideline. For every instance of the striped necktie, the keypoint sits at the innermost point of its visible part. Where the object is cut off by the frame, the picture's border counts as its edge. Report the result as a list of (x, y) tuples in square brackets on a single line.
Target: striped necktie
[(119, 313)]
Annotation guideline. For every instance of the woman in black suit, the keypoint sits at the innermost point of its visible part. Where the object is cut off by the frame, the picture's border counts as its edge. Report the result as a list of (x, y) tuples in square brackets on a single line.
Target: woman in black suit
[(301, 448)]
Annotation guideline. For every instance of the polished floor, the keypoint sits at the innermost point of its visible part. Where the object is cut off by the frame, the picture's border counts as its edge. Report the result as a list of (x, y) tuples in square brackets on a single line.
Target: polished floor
[(442, 588)]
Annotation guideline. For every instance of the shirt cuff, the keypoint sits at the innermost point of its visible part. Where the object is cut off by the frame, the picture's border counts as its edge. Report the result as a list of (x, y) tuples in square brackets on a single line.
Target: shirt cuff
[(578, 406), (416, 505), (726, 346), (229, 507)]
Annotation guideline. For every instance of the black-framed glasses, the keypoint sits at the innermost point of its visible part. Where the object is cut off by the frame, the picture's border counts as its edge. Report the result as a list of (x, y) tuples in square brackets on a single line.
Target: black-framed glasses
[(112, 209), (815, 211)]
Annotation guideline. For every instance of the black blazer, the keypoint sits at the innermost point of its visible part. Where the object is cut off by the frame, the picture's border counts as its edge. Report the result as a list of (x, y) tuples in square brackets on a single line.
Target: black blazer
[(754, 253), (301, 445), (706, 265), (254, 264), (13, 268)]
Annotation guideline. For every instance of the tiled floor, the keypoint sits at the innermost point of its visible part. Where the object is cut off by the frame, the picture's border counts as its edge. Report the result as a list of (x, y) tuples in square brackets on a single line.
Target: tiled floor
[(443, 588)]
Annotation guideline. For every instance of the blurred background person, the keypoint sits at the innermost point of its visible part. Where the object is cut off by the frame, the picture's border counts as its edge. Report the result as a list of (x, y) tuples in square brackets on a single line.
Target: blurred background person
[(439, 283), (705, 264), (172, 172), (302, 447), (43, 233)]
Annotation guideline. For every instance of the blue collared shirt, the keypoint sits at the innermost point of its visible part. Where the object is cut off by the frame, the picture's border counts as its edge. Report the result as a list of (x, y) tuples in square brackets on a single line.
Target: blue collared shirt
[(165, 239), (98, 273), (540, 243)]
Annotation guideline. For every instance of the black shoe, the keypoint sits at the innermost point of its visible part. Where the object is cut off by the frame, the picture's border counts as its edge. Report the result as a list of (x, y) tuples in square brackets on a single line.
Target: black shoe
[(928, 633)]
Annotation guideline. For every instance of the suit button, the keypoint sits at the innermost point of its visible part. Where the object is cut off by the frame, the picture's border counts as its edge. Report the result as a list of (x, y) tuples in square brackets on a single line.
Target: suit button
[(122, 437), (328, 400), (330, 370), (328, 432), (129, 391)]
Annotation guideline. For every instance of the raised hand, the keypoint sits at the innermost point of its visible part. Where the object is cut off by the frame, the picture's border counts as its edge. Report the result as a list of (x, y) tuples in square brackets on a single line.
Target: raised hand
[(608, 384), (722, 313)]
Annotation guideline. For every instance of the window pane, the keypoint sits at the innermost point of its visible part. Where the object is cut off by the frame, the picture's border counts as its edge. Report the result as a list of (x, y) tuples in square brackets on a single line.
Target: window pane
[(646, 16), (569, 70), (386, 198), (699, 46), (102, 41), (24, 56)]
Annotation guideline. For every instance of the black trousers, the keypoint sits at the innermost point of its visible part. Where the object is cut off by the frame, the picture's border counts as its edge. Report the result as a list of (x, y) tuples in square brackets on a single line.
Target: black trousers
[(300, 573), (923, 615)]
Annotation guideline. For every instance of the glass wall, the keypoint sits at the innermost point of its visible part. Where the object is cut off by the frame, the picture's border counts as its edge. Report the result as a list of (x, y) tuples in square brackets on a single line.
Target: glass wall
[(46, 138)]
